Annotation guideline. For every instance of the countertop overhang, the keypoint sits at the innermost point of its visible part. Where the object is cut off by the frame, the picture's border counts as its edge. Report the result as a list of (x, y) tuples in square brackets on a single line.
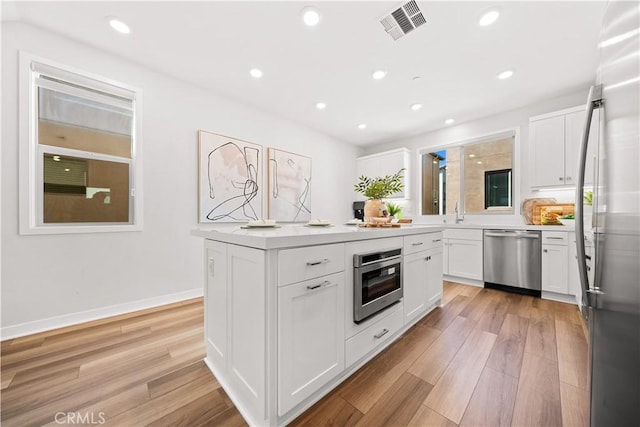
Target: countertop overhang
[(295, 235)]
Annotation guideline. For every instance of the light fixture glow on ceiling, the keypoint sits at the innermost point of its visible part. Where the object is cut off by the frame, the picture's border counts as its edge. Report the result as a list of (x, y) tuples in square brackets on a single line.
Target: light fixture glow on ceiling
[(310, 16), (488, 18), (472, 155), (255, 73), (67, 169), (379, 74), (449, 121), (321, 105), (505, 74), (56, 158), (416, 107), (362, 126), (119, 26), (479, 162)]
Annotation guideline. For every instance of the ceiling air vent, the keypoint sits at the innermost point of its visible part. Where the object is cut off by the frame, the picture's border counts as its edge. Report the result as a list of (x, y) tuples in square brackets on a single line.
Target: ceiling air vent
[(403, 20)]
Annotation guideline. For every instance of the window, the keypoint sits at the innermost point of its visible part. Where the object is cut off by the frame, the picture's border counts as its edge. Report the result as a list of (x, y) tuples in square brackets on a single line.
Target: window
[(475, 177), (80, 164)]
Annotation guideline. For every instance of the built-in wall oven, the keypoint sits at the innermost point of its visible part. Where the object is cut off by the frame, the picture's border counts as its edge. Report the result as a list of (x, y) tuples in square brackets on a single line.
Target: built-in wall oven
[(377, 282)]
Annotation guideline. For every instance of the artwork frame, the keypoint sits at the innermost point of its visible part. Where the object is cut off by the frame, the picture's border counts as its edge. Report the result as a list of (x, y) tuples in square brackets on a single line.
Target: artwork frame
[(229, 179), (288, 188)]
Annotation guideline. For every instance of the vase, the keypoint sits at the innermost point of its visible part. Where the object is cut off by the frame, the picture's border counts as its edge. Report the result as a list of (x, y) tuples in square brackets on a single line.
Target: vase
[(375, 208)]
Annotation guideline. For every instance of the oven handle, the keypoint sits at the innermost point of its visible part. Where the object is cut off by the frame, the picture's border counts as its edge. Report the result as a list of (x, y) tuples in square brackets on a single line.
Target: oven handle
[(379, 261), (378, 264)]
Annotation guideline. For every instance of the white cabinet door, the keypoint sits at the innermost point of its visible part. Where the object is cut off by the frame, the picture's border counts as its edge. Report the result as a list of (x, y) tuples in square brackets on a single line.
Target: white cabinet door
[(310, 337), (465, 258), (573, 129), (445, 256), (574, 275), (369, 166), (415, 283), (546, 138), (434, 276), (216, 308), (386, 163), (555, 272)]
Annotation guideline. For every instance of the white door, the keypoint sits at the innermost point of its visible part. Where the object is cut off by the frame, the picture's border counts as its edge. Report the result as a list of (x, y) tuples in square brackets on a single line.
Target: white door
[(434, 276), (465, 258), (310, 337), (554, 269), (414, 282), (546, 137)]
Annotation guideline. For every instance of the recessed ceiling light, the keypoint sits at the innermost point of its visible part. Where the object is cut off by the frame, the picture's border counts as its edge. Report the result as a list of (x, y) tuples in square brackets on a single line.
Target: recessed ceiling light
[(472, 155), (379, 74), (416, 107), (310, 16), (362, 126), (505, 74), (321, 105), (479, 162), (449, 121), (119, 26), (67, 169), (255, 73), (56, 158), (489, 17)]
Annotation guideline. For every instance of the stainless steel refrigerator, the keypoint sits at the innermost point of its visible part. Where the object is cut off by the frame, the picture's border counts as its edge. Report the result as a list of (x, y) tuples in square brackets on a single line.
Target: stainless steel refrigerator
[(609, 250)]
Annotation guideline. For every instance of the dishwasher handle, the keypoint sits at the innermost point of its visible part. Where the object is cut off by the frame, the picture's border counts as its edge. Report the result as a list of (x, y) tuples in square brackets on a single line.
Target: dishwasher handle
[(512, 234)]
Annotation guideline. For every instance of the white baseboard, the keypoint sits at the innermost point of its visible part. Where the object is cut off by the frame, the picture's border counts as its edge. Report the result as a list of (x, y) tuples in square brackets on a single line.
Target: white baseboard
[(464, 281), (28, 328), (569, 299)]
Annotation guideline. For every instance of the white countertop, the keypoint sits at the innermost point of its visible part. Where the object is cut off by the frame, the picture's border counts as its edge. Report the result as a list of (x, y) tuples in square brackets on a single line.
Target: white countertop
[(293, 235), (511, 227)]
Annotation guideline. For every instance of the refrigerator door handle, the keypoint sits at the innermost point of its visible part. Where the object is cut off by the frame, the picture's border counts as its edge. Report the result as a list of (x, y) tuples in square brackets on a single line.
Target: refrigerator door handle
[(594, 101)]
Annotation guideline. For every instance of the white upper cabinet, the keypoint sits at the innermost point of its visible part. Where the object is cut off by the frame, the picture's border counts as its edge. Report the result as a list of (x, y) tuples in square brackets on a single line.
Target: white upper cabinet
[(554, 141), (386, 163)]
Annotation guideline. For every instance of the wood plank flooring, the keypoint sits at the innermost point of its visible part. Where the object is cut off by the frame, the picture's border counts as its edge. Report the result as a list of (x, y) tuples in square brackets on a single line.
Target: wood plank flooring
[(485, 358)]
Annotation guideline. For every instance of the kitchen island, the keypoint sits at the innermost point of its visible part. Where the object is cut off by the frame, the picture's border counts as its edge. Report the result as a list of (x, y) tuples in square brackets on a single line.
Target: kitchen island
[(279, 308)]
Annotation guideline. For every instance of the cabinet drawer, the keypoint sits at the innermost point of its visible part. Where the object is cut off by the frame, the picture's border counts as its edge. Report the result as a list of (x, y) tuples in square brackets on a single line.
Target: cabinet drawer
[(555, 238), (373, 336), (421, 242), (463, 233), (296, 265)]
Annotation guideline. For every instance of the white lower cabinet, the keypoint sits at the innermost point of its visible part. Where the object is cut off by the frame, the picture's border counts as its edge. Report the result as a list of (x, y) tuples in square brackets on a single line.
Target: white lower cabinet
[(422, 279), (462, 256), (216, 296), (555, 271), (374, 335), (310, 337)]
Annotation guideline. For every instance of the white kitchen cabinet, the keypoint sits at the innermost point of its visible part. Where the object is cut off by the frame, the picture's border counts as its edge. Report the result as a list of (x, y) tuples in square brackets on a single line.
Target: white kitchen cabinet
[(462, 255), (422, 273), (387, 163), (554, 141), (574, 275), (311, 341), (216, 311), (555, 256)]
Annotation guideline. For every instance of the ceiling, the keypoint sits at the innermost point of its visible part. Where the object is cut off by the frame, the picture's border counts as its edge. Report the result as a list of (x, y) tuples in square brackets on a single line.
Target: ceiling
[(550, 45)]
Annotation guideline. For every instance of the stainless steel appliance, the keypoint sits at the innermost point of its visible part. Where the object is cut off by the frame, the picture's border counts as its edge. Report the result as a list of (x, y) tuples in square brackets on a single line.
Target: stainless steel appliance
[(610, 267), (377, 282), (358, 210), (512, 261)]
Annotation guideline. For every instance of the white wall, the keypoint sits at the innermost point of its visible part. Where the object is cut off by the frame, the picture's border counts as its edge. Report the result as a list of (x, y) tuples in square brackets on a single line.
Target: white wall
[(464, 131), (50, 280)]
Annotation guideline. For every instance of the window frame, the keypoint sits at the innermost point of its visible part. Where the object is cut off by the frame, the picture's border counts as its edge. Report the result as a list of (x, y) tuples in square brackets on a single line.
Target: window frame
[(461, 143), (31, 171)]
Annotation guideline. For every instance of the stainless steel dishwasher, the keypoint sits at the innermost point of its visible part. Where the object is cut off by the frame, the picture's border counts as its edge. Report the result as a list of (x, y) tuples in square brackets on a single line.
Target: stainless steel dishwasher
[(512, 261)]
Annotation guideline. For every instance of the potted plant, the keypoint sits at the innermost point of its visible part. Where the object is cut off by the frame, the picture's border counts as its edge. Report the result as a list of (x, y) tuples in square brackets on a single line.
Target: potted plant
[(377, 188), (395, 210)]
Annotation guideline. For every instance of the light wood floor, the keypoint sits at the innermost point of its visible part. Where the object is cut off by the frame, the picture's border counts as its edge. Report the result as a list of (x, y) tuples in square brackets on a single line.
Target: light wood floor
[(486, 358)]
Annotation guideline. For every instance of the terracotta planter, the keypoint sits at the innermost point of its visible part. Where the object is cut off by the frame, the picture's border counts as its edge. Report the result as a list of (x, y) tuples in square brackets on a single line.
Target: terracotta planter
[(375, 208)]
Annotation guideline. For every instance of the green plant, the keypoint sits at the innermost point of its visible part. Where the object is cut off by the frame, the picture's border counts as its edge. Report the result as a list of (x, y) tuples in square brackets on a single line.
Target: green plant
[(588, 198), (381, 186), (394, 210), (570, 216)]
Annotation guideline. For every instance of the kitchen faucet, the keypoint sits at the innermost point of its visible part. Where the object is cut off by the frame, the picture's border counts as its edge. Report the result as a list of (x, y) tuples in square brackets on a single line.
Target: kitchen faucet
[(459, 219)]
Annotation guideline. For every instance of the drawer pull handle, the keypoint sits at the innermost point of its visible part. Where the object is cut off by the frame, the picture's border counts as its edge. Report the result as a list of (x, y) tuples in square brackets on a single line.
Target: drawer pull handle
[(312, 263), (545, 251), (417, 243), (316, 286), (555, 238), (381, 334), (428, 258), (437, 240)]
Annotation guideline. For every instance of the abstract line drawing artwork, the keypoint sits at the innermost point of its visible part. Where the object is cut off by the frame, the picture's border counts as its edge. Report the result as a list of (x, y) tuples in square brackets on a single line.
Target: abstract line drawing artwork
[(230, 179), (289, 186)]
